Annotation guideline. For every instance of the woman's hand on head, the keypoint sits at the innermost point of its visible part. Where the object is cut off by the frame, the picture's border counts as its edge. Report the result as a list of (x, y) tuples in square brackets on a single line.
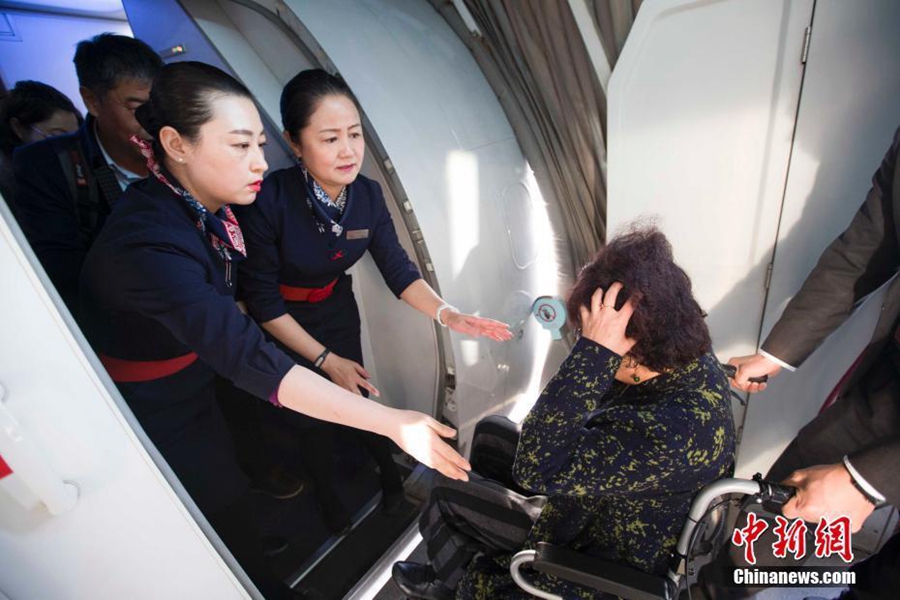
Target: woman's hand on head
[(348, 374), (476, 326), (420, 436), (603, 324)]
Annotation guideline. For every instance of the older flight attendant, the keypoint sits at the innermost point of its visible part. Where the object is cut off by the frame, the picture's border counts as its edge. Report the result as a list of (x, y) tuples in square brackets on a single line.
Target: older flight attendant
[(309, 225), (158, 285)]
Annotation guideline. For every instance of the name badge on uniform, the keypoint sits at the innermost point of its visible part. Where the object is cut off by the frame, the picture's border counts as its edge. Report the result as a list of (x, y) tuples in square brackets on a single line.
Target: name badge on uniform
[(357, 234)]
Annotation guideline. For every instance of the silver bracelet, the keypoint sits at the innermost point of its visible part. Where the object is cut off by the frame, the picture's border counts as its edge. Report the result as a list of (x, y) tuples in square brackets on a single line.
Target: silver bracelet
[(437, 313)]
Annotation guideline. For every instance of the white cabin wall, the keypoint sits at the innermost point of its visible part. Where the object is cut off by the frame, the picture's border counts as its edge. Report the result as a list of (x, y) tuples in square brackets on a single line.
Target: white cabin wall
[(44, 45), (701, 113), (849, 111), (703, 106)]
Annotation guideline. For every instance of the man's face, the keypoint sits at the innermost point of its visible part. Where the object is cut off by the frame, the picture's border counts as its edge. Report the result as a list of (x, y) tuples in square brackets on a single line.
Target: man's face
[(114, 110)]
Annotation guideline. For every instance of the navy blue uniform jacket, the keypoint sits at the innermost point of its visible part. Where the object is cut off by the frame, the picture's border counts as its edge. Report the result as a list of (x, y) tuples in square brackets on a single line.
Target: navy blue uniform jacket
[(46, 209), (154, 288), (284, 245)]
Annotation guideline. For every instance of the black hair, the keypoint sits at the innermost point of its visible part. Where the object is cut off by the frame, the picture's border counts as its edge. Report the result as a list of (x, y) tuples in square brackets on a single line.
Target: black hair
[(30, 102), (181, 97), (668, 324), (302, 94), (105, 60)]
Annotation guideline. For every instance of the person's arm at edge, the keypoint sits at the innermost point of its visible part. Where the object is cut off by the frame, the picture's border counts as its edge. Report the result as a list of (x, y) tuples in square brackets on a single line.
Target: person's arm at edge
[(862, 258)]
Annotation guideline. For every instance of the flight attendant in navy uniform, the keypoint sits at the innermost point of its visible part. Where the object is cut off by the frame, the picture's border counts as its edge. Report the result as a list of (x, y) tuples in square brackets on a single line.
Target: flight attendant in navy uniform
[(158, 289), (309, 225)]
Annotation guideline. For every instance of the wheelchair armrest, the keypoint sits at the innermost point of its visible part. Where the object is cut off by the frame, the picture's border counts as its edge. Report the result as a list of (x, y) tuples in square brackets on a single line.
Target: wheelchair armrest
[(603, 575)]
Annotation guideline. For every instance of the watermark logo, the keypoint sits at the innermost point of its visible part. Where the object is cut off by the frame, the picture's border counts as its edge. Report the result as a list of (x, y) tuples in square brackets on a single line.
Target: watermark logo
[(791, 538), (834, 538), (831, 538), (748, 535)]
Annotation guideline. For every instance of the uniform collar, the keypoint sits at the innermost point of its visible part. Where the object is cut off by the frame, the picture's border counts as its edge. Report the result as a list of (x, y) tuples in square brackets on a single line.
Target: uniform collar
[(323, 219), (123, 175)]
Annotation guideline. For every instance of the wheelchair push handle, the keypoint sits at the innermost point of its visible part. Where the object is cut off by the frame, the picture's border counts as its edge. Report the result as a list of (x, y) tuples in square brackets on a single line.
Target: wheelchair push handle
[(774, 493), (731, 371)]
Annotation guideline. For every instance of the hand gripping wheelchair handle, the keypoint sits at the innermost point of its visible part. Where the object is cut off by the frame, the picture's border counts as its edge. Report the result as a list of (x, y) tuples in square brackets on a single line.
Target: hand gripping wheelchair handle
[(774, 493), (731, 371)]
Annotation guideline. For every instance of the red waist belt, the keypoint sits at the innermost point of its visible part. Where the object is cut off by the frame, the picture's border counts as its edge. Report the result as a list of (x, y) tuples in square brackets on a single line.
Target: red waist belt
[(302, 294), (134, 371)]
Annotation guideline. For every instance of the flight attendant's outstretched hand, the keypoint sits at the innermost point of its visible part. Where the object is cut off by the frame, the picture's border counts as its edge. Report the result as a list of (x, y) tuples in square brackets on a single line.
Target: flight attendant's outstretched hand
[(423, 298), (417, 434), (420, 436), (476, 326)]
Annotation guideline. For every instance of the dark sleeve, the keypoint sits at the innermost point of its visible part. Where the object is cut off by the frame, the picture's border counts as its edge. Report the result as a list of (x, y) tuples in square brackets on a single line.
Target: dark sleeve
[(568, 447), (862, 258), (879, 466), (260, 272), (45, 210), (390, 257), (163, 283)]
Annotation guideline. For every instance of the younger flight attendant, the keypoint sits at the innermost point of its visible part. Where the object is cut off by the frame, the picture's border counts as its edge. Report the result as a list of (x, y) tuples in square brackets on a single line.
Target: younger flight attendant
[(158, 294), (309, 225)]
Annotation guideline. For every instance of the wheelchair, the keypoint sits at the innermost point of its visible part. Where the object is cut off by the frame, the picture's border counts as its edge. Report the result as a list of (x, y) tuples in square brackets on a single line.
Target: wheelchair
[(493, 452)]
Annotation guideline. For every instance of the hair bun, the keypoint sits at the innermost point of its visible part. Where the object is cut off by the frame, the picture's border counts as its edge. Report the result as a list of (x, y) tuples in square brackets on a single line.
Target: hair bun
[(147, 119)]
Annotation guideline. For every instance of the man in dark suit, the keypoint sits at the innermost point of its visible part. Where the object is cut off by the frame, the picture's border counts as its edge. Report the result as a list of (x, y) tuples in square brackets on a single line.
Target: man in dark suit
[(847, 459), (65, 186)]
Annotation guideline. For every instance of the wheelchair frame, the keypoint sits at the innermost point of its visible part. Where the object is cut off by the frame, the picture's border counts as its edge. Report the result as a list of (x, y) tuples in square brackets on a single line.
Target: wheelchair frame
[(627, 582)]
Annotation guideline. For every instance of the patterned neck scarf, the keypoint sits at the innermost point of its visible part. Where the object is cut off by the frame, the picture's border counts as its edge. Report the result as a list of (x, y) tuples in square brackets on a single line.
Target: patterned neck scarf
[(222, 227), (332, 208)]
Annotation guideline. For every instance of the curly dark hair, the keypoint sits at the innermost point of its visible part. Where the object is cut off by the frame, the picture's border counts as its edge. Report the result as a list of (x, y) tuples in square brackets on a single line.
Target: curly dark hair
[(667, 323)]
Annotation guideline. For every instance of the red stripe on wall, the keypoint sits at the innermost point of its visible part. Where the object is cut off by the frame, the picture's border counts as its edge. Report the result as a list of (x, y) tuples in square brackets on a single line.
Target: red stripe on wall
[(4, 468)]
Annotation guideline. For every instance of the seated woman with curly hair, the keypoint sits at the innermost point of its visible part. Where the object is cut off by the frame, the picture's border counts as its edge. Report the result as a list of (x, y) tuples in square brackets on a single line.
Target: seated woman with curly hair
[(634, 423)]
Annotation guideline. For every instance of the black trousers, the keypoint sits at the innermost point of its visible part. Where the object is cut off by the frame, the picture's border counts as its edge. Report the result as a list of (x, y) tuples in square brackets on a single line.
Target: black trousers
[(483, 515), (335, 323), (866, 414), (463, 519)]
